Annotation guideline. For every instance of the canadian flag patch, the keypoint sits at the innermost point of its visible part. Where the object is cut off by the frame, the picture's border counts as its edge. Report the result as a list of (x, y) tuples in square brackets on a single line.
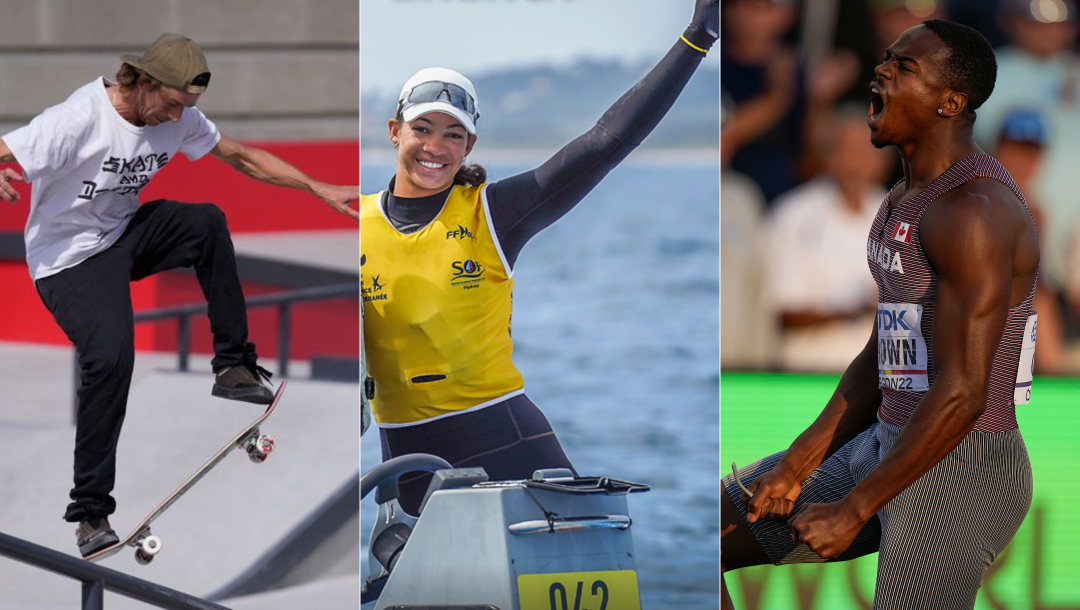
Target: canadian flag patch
[(902, 233)]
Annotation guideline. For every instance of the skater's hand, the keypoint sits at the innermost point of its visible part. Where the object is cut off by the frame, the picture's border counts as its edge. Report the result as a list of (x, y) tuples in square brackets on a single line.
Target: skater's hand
[(7, 191), (828, 529), (339, 197), (774, 496), (269, 168)]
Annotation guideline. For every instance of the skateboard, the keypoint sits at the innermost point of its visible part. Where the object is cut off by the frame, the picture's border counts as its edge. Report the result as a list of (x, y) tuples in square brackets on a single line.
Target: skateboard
[(257, 446)]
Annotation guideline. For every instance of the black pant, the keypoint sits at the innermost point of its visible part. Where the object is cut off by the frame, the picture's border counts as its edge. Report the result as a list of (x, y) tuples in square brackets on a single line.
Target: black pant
[(92, 304), (509, 440)]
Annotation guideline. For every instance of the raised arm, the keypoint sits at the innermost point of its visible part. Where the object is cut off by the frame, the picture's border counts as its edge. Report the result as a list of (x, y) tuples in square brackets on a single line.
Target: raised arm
[(269, 168), (982, 244), (8, 192), (524, 205)]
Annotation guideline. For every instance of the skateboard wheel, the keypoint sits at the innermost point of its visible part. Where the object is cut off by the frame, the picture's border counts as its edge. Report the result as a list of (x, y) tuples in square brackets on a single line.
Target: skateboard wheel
[(150, 546), (260, 448), (142, 558)]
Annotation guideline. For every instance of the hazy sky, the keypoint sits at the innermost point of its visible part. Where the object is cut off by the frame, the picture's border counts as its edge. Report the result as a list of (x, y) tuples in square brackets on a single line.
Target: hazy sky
[(399, 37)]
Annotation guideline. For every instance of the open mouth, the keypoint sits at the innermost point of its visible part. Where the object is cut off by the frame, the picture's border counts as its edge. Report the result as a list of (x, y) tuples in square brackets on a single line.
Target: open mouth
[(877, 102)]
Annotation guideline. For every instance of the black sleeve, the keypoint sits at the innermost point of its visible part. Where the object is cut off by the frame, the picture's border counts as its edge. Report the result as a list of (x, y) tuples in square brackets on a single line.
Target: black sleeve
[(523, 205)]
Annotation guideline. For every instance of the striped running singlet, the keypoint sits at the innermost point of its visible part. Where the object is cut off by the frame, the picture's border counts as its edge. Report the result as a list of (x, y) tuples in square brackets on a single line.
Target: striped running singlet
[(907, 286)]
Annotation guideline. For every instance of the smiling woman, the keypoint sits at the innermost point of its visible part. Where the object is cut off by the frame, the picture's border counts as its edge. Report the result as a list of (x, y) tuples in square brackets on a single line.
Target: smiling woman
[(439, 133), (441, 244)]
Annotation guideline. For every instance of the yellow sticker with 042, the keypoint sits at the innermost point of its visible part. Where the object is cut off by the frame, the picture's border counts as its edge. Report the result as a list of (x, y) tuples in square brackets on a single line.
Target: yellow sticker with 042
[(604, 590)]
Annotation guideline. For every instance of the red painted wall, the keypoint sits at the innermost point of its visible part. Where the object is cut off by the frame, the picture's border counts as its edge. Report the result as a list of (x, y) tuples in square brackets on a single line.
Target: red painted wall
[(327, 328)]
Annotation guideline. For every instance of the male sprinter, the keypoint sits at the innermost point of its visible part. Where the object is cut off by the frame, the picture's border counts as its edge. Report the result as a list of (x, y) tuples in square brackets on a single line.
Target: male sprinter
[(917, 454), (87, 238)]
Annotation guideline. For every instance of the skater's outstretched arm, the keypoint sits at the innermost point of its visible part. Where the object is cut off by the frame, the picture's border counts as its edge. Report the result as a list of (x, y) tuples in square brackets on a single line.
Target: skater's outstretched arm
[(267, 167)]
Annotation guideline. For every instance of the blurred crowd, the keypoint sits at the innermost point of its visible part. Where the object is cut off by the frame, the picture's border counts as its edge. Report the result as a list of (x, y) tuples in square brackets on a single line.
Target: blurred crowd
[(801, 183)]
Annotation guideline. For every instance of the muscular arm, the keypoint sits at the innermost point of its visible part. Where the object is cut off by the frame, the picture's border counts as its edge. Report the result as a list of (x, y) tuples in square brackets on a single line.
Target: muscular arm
[(525, 204), (851, 410), (981, 243), (980, 246), (269, 168)]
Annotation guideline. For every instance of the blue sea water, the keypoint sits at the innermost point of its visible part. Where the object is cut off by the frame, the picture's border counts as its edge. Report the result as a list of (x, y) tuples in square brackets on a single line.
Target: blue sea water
[(616, 331)]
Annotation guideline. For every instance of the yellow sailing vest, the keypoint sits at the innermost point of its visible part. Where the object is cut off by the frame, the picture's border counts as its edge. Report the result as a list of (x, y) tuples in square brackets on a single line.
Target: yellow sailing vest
[(436, 312)]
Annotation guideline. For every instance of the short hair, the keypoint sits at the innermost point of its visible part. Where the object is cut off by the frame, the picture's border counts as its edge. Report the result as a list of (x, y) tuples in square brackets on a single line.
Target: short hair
[(130, 77), (971, 67)]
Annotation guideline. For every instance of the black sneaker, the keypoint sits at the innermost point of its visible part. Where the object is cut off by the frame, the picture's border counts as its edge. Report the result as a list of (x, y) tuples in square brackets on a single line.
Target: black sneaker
[(240, 383), (93, 535)]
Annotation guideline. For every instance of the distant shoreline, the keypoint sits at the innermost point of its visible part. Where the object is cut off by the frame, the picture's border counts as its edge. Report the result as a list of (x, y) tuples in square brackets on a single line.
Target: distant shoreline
[(696, 157)]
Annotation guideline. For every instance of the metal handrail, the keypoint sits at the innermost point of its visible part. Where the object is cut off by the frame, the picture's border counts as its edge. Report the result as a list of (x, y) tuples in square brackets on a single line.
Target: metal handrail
[(97, 579), (283, 300)]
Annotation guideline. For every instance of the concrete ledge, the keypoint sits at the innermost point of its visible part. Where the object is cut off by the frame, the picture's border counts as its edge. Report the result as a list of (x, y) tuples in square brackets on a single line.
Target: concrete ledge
[(305, 83), (77, 23), (274, 82), (301, 556), (283, 69), (219, 528)]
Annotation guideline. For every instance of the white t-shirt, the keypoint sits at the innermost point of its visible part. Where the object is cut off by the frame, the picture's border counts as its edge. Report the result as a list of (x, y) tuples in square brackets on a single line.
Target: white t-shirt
[(817, 249), (817, 261), (88, 165)]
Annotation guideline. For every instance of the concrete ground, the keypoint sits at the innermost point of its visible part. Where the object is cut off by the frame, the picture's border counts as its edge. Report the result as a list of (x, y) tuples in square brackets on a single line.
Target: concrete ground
[(215, 531)]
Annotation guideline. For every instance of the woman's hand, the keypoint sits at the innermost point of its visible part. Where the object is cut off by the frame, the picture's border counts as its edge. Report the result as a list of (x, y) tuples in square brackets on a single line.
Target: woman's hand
[(704, 28)]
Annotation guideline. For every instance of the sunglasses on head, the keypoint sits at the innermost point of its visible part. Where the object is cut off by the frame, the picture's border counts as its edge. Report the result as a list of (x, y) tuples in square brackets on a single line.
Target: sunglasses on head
[(457, 96)]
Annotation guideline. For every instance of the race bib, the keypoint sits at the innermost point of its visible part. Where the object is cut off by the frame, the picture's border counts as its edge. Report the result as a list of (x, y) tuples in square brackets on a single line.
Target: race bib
[(901, 348), (1022, 393)]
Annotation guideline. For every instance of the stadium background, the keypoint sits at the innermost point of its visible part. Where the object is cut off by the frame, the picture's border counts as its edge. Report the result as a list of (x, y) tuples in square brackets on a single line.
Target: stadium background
[(1038, 571), (765, 406)]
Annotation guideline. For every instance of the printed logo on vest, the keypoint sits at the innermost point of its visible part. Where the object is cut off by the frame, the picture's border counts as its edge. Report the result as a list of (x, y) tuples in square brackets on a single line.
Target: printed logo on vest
[(460, 233), (883, 257), (902, 233), (902, 354), (1026, 369), (467, 274), (375, 292)]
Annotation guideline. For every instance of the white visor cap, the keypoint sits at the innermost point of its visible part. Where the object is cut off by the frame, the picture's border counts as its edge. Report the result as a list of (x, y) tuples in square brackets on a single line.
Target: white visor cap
[(411, 112)]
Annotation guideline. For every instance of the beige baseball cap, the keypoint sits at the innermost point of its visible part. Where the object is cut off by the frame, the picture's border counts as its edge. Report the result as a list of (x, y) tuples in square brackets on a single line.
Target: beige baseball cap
[(177, 61)]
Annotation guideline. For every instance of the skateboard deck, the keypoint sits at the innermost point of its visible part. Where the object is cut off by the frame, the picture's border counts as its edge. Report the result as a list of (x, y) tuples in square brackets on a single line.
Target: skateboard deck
[(257, 446)]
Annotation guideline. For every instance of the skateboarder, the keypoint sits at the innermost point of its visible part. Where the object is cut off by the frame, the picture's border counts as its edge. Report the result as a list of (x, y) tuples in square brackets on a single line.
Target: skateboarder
[(87, 238)]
